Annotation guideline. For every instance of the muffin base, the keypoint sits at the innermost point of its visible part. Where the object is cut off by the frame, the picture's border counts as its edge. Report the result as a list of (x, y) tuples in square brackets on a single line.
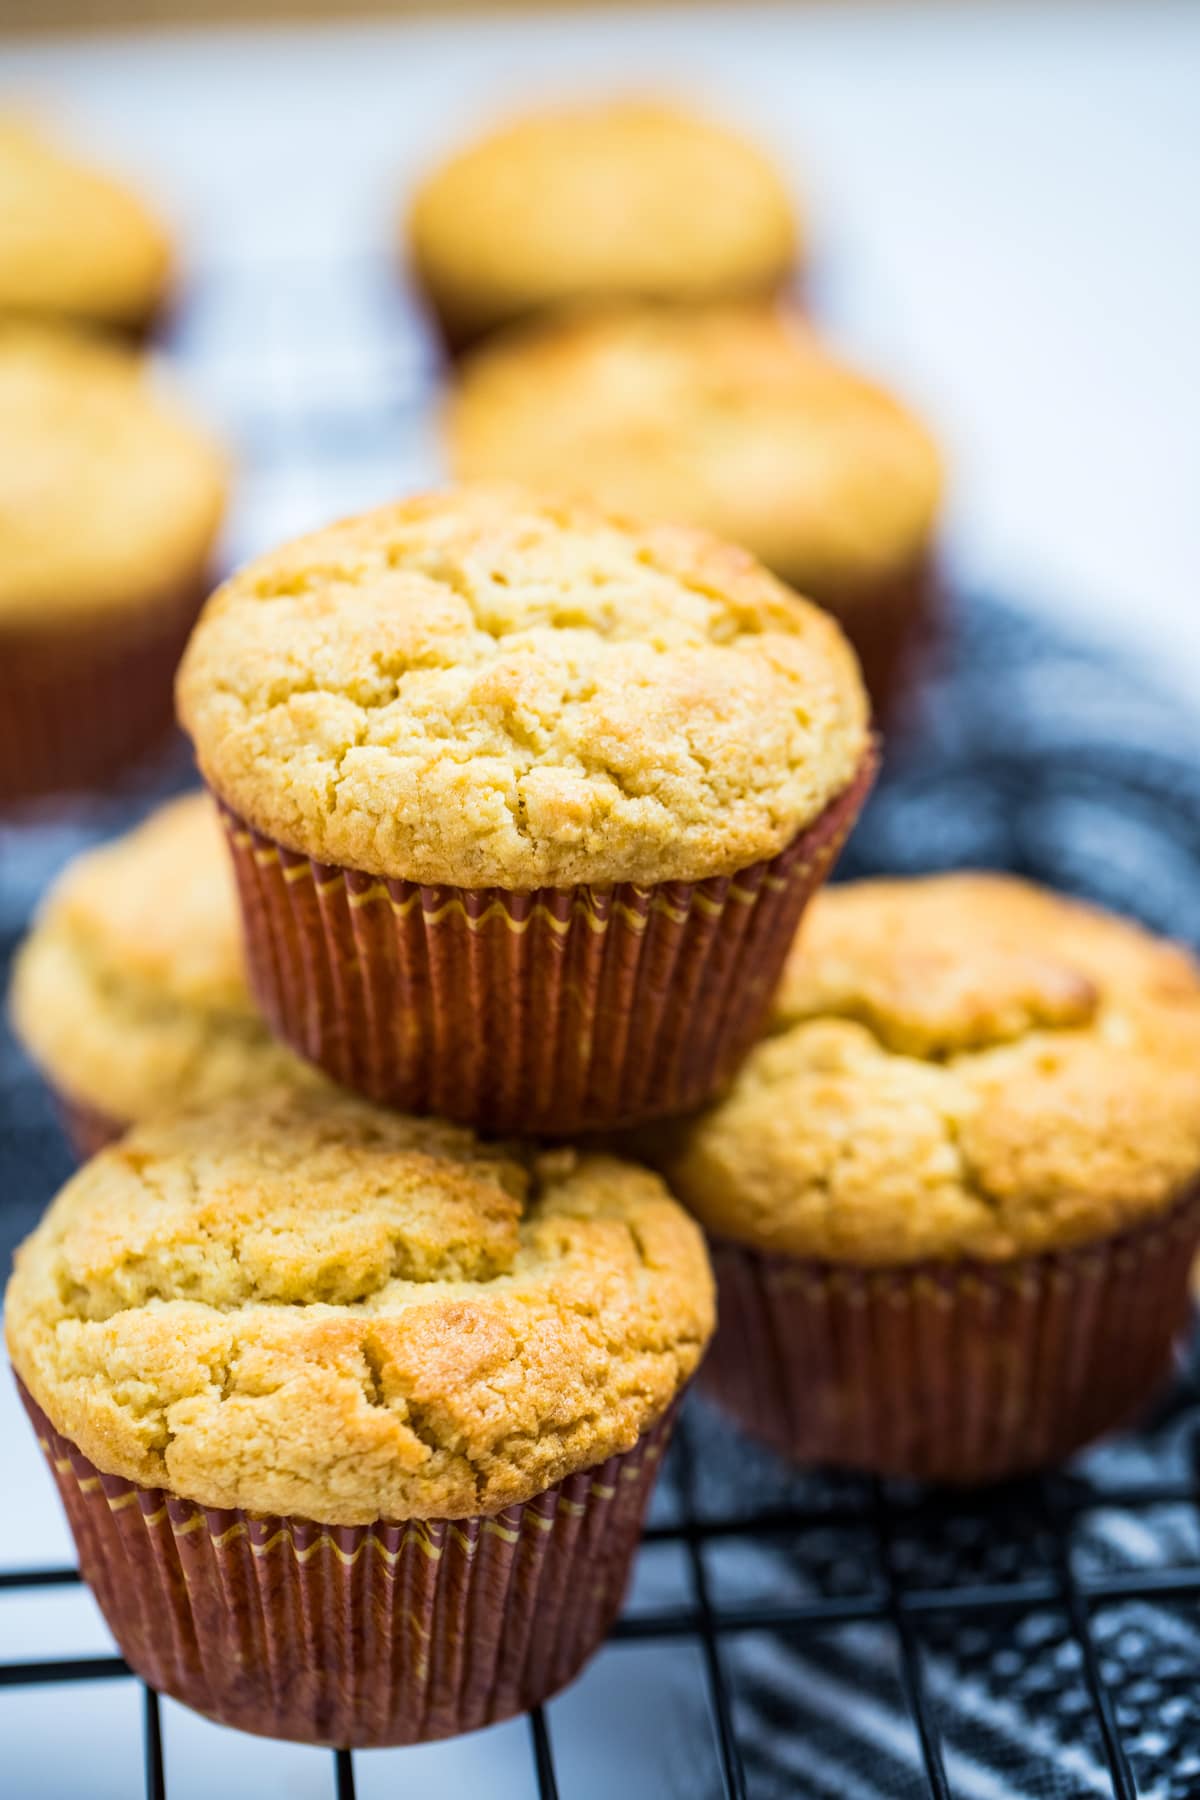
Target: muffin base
[(458, 332), (357, 1636), (549, 1012), (79, 704), (955, 1372)]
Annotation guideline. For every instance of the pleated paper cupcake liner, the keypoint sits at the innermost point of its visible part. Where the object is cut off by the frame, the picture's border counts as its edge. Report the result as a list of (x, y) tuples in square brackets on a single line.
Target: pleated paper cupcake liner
[(78, 705), (894, 626), (357, 1636), (958, 1372), (554, 1011)]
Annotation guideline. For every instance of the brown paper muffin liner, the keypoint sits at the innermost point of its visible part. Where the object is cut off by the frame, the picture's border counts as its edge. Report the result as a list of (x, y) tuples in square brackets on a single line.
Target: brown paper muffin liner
[(79, 704), (554, 1011), (958, 1372), (894, 626), (357, 1636)]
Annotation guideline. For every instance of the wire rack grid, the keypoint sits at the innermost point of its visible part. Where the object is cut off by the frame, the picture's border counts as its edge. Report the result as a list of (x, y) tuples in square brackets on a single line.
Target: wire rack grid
[(910, 1611)]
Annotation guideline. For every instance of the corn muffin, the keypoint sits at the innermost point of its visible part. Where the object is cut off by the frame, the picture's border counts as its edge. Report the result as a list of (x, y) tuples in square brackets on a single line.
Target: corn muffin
[(295, 1359), (524, 800), (110, 502), (953, 1192), (735, 418), (608, 200), (75, 246), (130, 993)]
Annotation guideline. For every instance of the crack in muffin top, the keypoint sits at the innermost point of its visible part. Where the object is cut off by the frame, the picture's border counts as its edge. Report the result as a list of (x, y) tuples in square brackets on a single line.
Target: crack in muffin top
[(736, 419), (300, 1305), (484, 688), (956, 1066), (130, 992)]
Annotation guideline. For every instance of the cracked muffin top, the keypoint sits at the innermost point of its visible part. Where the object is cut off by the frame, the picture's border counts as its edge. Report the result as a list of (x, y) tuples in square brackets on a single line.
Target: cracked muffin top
[(958, 1066), (300, 1305), (483, 688), (733, 418), (110, 498), (130, 992), (74, 244), (616, 199)]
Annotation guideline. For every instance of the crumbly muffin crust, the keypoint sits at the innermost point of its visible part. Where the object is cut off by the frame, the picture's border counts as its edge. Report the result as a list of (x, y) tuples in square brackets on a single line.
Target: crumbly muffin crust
[(130, 992), (736, 419), (74, 244), (300, 1305), (483, 688), (960, 1066), (600, 201), (110, 498)]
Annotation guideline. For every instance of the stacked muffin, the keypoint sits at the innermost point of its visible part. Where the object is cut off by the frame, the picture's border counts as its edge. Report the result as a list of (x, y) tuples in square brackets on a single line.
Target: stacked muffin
[(524, 805), (524, 801), (354, 1406)]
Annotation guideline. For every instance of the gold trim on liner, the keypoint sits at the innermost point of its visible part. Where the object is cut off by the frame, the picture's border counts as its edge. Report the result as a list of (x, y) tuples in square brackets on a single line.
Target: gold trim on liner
[(582, 908), (416, 1532)]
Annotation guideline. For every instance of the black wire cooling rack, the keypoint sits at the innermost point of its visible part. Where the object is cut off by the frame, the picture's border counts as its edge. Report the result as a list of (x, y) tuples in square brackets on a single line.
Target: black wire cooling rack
[(1009, 1582), (843, 1639)]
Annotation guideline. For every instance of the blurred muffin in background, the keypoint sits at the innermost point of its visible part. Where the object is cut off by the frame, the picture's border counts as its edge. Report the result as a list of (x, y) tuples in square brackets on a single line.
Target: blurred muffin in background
[(954, 1193), (622, 199), (75, 246), (110, 502), (734, 418), (129, 992)]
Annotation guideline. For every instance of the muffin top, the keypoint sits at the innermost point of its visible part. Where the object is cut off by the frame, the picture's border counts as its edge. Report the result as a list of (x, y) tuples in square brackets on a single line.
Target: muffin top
[(615, 199), (482, 688), (430, 1326), (74, 245), (110, 498), (961, 1066), (130, 992), (734, 418)]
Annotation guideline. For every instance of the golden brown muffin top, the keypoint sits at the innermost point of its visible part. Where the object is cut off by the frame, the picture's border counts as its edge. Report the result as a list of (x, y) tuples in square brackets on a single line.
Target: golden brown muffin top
[(736, 419), (483, 688), (618, 199), (960, 1066), (301, 1305), (74, 244), (130, 992), (110, 498)]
